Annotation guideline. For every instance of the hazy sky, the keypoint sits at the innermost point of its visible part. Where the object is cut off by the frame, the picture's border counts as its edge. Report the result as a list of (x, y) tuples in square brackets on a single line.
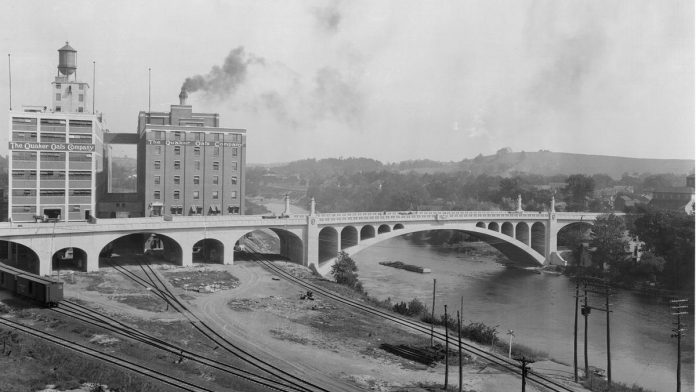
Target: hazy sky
[(391, 80)]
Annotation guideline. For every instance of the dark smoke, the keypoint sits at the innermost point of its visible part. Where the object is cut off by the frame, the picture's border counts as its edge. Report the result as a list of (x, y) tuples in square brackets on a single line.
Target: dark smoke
[(224, 80)]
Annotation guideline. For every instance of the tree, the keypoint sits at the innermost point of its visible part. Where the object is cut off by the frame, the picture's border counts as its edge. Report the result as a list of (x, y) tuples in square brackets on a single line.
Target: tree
[(608, 240), (345, 271), (579, 189), (670, 234)]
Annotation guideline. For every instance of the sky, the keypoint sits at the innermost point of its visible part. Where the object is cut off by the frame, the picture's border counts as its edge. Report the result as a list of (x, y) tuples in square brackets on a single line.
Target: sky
[(390, 80)]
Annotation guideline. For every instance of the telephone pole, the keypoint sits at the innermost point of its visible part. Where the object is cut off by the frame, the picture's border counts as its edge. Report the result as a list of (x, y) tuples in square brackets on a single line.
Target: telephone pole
[(432, 316), (604, 289), (524, 365), (575, 331), (446, 351), (678, 306)]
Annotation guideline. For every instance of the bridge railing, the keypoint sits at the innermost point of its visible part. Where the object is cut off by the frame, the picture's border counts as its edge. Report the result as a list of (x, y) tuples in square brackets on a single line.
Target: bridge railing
[(400, 216)]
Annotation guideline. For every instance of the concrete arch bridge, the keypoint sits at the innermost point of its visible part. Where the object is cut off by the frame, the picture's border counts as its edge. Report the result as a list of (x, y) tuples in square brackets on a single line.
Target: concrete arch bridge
[(526, 237)]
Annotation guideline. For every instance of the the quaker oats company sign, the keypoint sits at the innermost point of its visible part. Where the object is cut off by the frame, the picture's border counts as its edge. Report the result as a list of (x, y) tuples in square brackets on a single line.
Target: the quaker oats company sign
[(192, 143), (33, 146)]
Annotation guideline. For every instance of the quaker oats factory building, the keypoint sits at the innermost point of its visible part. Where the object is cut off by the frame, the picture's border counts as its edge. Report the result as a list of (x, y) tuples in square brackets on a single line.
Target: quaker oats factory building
[(60, 159)]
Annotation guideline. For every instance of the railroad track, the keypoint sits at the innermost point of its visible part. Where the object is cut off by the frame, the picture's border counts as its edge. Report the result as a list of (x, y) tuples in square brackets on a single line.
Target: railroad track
[(503, 362), (120, 362), (153, 282), (94, 318)]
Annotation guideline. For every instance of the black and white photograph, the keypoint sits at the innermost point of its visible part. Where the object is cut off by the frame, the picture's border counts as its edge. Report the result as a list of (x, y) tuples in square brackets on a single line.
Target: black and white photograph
[(347, 195)]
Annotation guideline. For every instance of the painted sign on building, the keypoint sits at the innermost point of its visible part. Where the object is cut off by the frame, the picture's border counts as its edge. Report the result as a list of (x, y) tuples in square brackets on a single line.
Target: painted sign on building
[(34, 146)]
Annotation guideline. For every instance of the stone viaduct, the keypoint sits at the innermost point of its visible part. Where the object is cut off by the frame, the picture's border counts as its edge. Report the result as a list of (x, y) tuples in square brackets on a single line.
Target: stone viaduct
[(528, 238)]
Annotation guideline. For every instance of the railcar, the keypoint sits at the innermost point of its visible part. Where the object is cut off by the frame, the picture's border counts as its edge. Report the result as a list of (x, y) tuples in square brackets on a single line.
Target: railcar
[(47, 291)]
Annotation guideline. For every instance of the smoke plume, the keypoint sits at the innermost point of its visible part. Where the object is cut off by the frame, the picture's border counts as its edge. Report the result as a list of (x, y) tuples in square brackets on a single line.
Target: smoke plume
[(224, 80)]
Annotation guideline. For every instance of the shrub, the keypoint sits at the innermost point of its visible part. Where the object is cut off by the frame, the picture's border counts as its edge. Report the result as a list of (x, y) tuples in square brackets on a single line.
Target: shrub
[(344, 272)]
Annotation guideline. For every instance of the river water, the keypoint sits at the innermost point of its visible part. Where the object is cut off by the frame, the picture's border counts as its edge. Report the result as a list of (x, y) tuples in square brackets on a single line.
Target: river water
[(538, 308)]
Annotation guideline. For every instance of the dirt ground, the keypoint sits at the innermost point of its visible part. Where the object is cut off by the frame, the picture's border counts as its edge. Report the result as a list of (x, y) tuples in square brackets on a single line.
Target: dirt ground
[(329, 343)]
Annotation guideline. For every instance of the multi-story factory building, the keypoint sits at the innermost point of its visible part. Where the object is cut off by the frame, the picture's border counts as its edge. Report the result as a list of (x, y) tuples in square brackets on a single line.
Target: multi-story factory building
[(188, 165), (56, 153)]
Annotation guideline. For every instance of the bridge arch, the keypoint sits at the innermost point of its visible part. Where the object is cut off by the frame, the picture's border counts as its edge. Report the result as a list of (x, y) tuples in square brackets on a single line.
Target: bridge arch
[(481, 225), (71, 258), (127, 248), (289, 245), (493, 226), (349, 237), (20, 256), (208, 250), (383, 229), (367, 232), (512, 248), (538, 237), (328, 244), (522, 232), (508, 229), (398, 226)]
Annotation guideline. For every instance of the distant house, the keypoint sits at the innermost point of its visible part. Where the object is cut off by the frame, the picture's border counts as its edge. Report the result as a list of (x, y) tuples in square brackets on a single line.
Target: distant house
[(675, 198), (624, 201)]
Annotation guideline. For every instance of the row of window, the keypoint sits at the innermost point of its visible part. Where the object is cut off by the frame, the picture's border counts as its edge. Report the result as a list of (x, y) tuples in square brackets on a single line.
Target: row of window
[(81, 86), (196, 180), (50, 124), (196, 165), (50, 137), (51, 174), (50, 156), (80, 97), (157, 195), (196, 151), (51, 192), (197, 136), (198, 210)]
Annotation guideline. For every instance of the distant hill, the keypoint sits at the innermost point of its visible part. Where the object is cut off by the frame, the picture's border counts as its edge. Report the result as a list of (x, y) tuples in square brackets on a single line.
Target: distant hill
[(503, 163)]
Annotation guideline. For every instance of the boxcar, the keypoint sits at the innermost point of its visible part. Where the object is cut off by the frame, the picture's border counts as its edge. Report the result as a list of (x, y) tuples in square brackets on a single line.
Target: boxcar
[(44, 290)]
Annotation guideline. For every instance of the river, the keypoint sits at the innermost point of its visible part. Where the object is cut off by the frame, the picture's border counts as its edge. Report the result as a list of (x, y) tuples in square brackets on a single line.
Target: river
[(538, 308)]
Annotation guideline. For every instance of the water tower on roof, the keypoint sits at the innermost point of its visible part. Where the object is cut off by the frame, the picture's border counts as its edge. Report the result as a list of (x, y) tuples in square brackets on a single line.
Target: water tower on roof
[(67, 60)]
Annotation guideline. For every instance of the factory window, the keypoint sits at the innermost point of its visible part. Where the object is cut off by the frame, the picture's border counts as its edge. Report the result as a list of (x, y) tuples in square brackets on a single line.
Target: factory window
[(24, 155), (81, 192), (197, 136), (177, 180), (216, 137), (58, 97), (176, 195), (58, 85), (82, 86), (215, 194), (52, 192), (197, 151), (196, 180), (215, 180), (156, 195), (233, 194), (80, 109), (159, 135), (216, 151), (233, 209), (177, 165), (157, 165), (157, 180), (158, 150), (177, 150), (216, 165), (177, 135), (234, 165), (195, 195), (234, 180), (81, 97), (234, 152), (197, 165)]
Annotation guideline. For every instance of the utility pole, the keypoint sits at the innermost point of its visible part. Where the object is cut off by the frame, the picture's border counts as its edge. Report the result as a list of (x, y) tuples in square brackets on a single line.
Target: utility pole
[(585, 313), (575, 330), (459, 340), (678, 306), (432, 316), (605, 290), (524, 364), (446, 351)]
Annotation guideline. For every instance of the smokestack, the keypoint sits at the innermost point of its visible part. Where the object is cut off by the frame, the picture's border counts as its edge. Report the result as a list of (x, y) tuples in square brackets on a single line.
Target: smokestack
[(183, 95)]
